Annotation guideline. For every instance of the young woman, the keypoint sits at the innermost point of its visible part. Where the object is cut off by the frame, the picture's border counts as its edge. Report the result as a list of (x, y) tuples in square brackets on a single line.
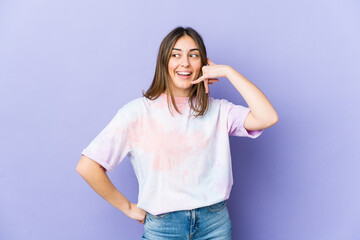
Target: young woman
[(181, 158)]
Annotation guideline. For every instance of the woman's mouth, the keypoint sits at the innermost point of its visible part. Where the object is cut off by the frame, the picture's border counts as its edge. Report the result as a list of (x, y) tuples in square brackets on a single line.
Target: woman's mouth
[(184, 74)]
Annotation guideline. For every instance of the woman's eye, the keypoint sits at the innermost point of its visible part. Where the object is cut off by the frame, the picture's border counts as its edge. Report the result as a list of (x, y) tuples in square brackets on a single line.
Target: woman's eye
[(175, 55), (193, 55)]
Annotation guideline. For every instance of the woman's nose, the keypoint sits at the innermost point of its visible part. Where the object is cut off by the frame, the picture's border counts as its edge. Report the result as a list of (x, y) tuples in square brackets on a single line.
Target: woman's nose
[(185, 62)]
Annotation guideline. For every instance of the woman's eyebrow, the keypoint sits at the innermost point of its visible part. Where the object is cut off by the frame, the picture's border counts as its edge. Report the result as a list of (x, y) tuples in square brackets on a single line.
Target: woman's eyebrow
[(193, 49)]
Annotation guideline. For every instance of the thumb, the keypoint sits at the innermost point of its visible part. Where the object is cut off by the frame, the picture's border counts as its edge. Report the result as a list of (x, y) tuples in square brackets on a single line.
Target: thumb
[(210, 62)]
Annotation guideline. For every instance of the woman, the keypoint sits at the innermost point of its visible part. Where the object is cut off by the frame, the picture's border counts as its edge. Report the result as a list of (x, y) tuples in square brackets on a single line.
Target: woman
[(181, 158)]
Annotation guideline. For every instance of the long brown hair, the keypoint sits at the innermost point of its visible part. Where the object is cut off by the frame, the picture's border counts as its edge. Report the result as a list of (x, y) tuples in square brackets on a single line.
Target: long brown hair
[(162, 79)]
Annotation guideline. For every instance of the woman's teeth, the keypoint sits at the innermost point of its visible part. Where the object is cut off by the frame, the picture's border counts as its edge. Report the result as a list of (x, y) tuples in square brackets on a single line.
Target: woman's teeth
[(184, 73)]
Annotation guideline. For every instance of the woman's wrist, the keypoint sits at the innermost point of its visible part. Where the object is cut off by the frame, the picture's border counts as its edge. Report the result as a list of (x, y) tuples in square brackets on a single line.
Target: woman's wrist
[(228, 71), (125, 208)]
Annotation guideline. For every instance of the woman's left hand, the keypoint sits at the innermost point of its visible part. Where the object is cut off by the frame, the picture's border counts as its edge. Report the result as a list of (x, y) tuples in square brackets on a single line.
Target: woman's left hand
[(211, 73)]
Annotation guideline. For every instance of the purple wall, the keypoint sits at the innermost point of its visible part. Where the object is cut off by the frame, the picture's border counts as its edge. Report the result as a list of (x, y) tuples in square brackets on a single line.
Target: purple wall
[(67, 66)]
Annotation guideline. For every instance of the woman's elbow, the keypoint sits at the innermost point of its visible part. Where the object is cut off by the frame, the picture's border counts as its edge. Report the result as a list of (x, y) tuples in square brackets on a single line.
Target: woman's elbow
[(274, 120), (270, 121)]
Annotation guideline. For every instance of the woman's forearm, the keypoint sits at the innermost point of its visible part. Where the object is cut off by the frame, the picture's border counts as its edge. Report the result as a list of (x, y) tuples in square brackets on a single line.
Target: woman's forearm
[(95, 175), (259, 105)]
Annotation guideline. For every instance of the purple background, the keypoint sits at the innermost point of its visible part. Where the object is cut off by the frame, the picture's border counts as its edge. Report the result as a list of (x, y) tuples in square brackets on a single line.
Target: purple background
[(67, 66)]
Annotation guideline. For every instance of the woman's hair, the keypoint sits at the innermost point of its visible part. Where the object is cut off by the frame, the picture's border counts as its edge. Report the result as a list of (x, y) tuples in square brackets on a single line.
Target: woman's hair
[(162, 79)]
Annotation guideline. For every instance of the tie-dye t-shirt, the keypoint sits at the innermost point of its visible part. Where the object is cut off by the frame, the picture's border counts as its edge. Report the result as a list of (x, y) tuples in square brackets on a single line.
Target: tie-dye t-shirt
[(181, 162)]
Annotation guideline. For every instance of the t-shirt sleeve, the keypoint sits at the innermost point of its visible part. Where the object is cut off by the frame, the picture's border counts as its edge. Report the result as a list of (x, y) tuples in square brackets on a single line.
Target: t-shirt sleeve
[(112, 144), (236, 115)]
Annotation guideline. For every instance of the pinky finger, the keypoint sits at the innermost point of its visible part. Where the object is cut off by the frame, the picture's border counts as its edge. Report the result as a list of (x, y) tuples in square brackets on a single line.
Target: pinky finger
[(214, 80), (206, 86)]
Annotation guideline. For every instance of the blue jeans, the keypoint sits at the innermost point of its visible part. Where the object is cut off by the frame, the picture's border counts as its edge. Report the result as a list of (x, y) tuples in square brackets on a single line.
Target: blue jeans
[(209, 222)]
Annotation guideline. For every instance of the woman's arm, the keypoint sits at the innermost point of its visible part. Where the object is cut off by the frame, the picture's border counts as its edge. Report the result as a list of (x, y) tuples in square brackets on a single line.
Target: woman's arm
[(262, 114), (95, 175)]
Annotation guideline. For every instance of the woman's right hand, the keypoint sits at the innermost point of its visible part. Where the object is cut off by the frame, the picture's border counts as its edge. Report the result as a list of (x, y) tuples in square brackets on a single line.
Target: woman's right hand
[(97, 178), (136, 213)]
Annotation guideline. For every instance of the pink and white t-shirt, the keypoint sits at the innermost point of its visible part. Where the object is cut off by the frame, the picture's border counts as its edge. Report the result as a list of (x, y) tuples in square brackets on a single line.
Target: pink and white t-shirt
[(181, 162)]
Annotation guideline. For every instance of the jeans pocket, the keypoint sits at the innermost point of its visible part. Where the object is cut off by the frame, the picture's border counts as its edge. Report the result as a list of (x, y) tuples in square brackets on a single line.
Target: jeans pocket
[(217, 207), (162, 215)]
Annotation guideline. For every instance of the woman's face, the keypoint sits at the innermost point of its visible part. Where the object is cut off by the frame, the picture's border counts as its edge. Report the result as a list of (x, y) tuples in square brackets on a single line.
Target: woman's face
[(184, 65)]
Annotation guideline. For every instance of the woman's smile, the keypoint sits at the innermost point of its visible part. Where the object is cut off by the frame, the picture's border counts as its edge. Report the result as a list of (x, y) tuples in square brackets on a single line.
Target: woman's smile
[(184, 74)]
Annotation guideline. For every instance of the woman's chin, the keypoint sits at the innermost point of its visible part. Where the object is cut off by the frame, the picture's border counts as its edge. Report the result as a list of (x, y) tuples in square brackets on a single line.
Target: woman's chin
[(184, 85)]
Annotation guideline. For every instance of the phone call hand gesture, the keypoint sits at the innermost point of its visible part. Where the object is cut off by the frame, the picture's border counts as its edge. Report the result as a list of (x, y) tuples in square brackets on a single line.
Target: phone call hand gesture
[(211, 73)]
